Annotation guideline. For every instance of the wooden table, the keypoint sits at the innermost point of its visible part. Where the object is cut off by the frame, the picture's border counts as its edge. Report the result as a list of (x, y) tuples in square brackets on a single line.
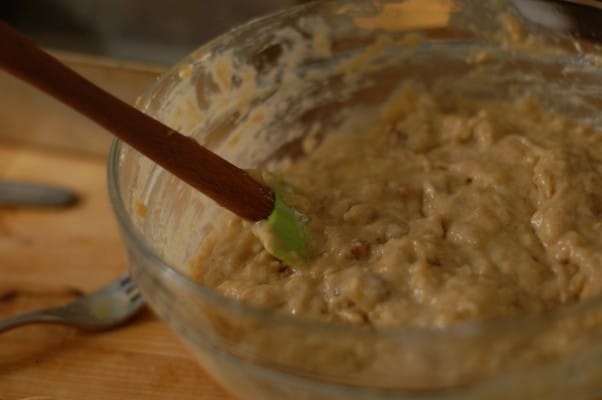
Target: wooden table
[(48, 257)]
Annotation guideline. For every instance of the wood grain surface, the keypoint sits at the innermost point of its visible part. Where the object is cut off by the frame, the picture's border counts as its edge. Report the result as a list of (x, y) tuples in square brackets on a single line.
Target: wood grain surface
[(48, 257)]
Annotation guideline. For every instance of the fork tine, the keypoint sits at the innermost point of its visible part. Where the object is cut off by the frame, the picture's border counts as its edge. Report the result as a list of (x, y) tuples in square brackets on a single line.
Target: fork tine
[(117, 284), (129, 287), (132, 291), (136, 297), (125, 278)]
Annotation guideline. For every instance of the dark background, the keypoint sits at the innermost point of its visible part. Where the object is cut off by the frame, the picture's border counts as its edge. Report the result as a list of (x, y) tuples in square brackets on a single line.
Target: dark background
[(153, 31), (162, 31)]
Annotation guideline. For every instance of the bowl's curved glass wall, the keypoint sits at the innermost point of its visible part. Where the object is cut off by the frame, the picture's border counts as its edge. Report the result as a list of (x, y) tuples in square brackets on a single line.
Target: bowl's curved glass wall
[(253, 94)]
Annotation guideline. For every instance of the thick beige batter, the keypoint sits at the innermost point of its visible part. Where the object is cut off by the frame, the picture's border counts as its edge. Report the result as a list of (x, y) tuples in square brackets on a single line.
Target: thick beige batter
[(436, 216)]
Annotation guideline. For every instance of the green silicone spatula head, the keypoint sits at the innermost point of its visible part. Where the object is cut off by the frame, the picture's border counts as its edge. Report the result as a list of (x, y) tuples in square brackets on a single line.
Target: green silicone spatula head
[(283, 233), (230, 186)]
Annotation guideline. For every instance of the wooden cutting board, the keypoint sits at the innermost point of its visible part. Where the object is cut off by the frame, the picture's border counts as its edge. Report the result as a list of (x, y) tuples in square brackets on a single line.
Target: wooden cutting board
[(48, 257)]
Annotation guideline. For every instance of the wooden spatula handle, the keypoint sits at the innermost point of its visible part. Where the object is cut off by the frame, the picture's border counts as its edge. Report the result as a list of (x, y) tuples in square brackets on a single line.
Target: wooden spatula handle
[(225, 183)]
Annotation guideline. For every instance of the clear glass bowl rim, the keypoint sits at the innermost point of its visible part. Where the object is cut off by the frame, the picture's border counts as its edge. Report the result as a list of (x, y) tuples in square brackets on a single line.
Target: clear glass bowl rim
[(206, 294)]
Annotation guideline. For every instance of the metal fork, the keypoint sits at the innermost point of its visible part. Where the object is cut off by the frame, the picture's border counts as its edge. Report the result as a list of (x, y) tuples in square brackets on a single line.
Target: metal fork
[(106, 308)]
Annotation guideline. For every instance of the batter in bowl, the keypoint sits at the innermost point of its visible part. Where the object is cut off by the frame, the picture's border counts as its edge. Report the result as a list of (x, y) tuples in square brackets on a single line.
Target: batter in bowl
[(437, 215)]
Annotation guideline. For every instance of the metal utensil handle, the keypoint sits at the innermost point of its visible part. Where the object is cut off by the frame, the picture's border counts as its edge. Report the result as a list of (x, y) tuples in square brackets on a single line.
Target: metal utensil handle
[(43, 316), (28, 194)]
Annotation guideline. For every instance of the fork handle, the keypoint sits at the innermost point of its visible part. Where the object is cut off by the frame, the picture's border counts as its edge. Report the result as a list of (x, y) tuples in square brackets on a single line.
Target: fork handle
[(43, 316)]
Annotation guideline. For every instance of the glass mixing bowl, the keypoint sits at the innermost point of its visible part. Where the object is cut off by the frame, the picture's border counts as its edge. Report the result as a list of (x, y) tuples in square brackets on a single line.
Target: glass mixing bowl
[(254, 94)]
